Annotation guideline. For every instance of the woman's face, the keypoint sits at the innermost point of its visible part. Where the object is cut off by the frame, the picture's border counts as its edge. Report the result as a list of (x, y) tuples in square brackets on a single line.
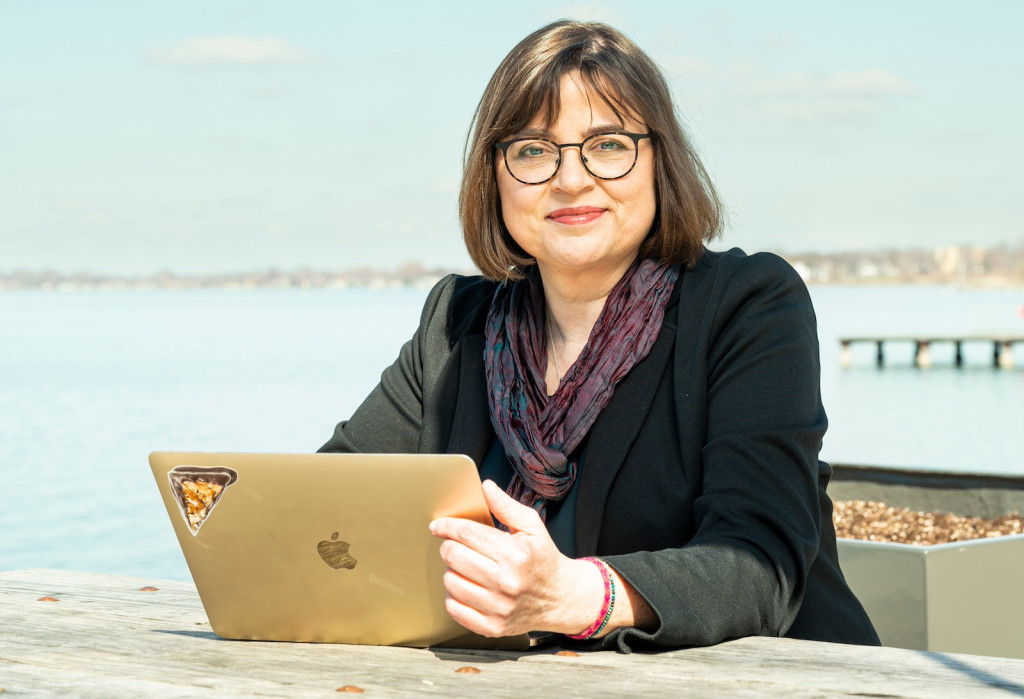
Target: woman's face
[(576, 222)]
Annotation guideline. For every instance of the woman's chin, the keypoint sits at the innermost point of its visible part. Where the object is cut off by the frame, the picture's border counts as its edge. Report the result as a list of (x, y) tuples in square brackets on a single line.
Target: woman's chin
[(582, 261)]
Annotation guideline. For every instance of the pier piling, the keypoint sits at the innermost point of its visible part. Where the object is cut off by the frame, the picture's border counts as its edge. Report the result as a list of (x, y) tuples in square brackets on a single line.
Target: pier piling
[(1002, 348)]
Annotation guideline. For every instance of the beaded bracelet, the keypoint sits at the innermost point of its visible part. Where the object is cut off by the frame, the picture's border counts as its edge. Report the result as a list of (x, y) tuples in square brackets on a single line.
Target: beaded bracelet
[(606, 607)]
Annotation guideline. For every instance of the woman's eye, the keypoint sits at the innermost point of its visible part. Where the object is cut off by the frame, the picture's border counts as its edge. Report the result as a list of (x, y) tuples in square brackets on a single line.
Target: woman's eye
[(608, 144), (531, 150)]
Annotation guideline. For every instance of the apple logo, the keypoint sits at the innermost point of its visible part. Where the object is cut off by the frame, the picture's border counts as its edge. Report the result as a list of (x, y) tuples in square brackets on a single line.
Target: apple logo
[(335, 553)]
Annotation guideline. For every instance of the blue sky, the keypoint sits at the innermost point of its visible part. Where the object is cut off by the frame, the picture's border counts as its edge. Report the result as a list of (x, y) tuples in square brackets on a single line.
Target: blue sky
[(231, 135)]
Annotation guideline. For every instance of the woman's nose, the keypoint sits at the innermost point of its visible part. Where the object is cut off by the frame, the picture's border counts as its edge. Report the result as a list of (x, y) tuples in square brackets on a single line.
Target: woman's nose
[(572, 176)]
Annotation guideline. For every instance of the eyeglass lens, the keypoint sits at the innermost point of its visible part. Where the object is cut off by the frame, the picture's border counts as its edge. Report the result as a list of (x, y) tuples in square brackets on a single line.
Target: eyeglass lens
[(607, 156)]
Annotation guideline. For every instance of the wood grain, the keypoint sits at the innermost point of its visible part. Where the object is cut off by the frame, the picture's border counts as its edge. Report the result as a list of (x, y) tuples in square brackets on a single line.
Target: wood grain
[(106, 637)]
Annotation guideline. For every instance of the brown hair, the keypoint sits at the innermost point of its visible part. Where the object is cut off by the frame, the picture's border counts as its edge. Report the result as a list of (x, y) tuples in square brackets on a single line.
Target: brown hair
[(527, 84)]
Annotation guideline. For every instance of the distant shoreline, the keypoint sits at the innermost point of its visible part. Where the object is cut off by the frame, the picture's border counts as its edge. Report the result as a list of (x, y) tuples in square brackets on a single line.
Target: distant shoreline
[(101, 285), (964, 266), (409, 276)]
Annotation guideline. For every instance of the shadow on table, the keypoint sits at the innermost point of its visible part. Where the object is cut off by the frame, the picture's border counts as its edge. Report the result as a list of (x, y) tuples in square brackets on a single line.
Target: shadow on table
[(208, 635), (453, 654), (496, 656), (982, 676), (480, 657)]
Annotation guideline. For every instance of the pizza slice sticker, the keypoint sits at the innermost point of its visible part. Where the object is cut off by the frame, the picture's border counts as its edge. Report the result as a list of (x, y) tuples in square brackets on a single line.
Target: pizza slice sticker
[(198, 489)]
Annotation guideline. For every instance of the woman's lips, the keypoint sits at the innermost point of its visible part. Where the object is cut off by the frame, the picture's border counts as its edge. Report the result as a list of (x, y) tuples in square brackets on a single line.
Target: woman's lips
[(576, 216)]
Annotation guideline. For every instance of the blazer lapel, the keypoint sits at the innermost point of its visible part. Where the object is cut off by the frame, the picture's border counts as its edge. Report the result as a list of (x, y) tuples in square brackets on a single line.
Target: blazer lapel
[(613, 434), (471, 431)]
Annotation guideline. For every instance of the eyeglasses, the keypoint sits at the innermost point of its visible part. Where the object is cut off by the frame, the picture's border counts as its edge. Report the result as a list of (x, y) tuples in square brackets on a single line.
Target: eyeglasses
[(606, 156)]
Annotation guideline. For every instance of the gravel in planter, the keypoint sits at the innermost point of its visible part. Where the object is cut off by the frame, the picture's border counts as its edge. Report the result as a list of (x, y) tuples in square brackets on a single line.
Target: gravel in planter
[(876, 521)]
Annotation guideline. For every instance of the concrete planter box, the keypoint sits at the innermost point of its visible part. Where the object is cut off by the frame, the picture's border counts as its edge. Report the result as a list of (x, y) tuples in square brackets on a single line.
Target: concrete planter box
[(959, 598)]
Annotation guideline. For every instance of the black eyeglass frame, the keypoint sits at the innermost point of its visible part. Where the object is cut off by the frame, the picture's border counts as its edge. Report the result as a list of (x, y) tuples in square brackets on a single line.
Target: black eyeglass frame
[(636, 138)]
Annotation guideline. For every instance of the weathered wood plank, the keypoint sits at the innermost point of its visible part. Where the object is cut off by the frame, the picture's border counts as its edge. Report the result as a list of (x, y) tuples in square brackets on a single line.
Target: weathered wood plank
[(104, 637)]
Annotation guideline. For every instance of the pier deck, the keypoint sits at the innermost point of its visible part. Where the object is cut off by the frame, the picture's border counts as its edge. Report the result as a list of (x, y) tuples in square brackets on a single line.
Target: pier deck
[(1002, 347), (115, 636)]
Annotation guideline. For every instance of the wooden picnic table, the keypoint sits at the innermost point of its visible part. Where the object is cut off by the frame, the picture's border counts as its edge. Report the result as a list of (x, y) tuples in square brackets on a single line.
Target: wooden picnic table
[(108, 635)]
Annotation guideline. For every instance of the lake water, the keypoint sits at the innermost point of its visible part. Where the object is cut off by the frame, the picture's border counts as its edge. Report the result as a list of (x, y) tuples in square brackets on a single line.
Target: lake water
[(91, 382)]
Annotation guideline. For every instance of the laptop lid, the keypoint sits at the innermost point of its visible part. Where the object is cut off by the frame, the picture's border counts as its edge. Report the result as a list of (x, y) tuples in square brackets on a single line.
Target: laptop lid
[(330, 548)]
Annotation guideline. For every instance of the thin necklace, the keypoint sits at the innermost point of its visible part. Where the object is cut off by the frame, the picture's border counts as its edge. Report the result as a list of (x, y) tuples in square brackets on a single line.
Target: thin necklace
[(554, 350)]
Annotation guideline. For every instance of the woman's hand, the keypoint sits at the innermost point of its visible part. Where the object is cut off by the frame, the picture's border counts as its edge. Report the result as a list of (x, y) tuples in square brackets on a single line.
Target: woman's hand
[(505, 583)]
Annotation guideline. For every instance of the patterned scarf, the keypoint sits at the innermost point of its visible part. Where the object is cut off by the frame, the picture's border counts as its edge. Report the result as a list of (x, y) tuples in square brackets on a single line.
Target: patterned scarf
[(541, 433)]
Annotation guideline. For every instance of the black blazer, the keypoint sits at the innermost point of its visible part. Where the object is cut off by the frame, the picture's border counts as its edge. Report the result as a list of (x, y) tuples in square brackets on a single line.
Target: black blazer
[(700, 482)]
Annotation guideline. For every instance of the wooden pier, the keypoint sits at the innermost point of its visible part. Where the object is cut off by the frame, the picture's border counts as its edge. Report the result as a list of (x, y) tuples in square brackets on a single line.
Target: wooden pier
[(1002, 347), (80, 634)]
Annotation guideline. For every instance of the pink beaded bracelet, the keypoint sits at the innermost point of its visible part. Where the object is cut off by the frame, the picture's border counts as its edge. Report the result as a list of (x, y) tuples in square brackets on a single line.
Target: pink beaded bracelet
[(606, 607)]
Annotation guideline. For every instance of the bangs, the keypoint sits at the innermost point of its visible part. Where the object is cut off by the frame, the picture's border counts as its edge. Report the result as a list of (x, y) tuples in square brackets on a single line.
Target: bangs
[(539, 95)]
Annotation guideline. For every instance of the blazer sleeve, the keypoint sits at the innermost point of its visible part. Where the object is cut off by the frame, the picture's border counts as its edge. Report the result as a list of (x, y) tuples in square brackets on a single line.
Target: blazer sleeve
[(391, 418), (757, 519)]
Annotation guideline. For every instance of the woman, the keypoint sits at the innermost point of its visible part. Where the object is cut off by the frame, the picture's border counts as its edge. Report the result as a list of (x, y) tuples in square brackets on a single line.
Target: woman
[(645, 413)]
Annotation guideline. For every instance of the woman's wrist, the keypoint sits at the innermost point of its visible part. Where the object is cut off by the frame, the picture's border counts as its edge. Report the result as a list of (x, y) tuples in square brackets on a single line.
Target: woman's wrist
[(629, 610), (597, 626)]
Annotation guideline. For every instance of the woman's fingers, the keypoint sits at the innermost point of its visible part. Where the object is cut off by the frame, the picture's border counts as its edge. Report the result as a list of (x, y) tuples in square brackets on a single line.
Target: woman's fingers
[(512, 513), (473, 619), (476, 536), (474, 598), (499, 582), (471, 594), (475, 565)]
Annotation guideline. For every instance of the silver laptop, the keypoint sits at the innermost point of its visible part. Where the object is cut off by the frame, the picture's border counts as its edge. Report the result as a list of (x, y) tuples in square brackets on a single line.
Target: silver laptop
[(330, 548)]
